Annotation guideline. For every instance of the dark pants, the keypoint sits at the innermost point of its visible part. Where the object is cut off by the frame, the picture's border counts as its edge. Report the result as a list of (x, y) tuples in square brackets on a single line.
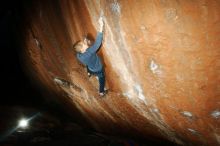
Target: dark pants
[(101, 75)]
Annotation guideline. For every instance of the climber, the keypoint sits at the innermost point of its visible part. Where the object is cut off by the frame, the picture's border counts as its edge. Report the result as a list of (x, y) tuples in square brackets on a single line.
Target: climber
[(87, 55)]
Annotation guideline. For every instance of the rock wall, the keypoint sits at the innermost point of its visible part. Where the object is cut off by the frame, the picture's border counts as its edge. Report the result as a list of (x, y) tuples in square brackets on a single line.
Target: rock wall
[(161, 60)]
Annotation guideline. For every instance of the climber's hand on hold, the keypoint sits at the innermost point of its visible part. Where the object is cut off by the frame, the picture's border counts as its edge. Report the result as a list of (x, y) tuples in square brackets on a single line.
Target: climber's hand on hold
[(101, 24)]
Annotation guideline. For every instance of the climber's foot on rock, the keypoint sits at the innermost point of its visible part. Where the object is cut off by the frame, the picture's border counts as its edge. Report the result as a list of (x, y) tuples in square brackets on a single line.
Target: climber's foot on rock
[(102, 94)]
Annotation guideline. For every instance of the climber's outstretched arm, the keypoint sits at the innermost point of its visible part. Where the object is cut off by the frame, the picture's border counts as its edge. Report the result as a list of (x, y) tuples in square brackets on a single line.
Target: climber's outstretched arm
[(101, 24), (99, 37)]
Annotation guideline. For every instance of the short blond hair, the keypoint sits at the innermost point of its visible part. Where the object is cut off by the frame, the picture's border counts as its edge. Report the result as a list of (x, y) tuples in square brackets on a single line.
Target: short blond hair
[(78, 46)]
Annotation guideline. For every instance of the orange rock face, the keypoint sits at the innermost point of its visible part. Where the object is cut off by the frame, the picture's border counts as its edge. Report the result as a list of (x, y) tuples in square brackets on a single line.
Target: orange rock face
[(162, 63)]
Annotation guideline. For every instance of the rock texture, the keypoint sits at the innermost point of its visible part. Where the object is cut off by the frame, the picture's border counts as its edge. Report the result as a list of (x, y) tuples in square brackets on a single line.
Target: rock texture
[(161, 60)]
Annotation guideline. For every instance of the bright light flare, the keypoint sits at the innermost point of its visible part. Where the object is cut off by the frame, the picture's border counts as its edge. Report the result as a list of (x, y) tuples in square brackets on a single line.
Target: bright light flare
[(23, 123)]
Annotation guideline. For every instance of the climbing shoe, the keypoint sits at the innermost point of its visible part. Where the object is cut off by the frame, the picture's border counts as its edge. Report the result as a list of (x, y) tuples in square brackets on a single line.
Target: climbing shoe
[(103, 93)]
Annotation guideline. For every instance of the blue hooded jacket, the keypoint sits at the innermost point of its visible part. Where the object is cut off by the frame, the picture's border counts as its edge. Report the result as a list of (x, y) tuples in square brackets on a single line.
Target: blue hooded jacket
[(90, 58)]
